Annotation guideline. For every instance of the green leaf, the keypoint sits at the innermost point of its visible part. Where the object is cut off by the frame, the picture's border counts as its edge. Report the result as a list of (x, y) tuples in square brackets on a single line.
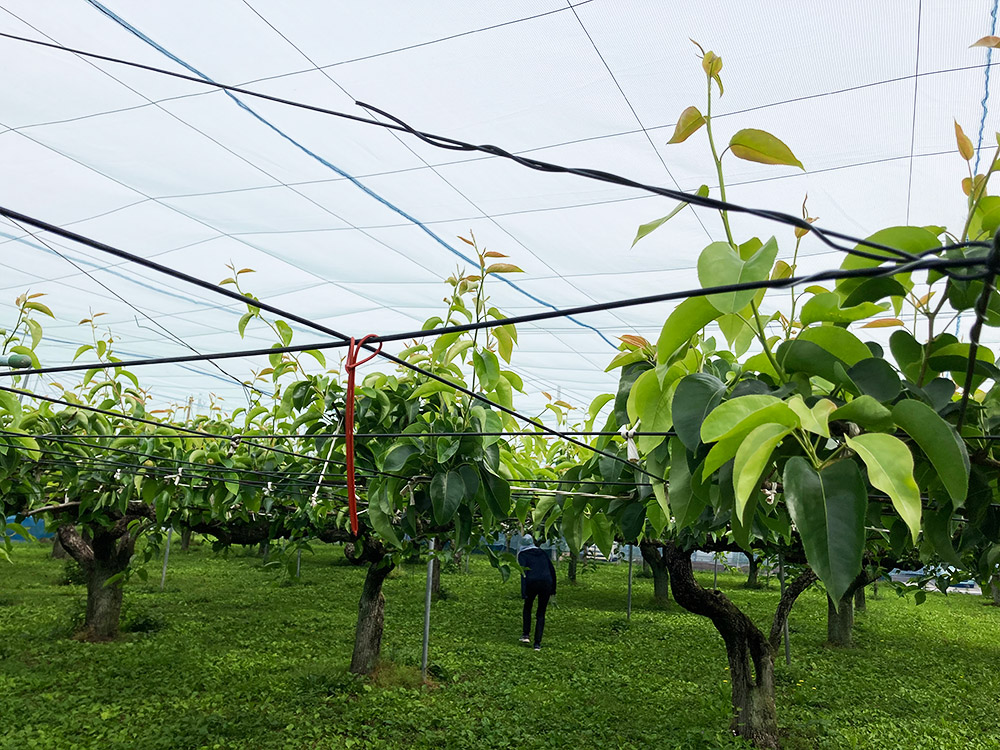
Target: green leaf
[(447, 447), (720, 265), (840, 342), (39, 307), (10, 404), (687, 496), (937, 529), (285, 331), (397, 457), (762, 147), (81, 350), (244, 319), (600, 526), (738, 416), (817, 418), (826, 307), (380, 521), (939, 441), (487, 368), (497, 494), (687, 125), (867, 413), (890, 469), (751, 459), (653, 225), (695, 397), (447, 493), (689, 317), (876, 378), (828, 509), (650, 403), (429, 388)]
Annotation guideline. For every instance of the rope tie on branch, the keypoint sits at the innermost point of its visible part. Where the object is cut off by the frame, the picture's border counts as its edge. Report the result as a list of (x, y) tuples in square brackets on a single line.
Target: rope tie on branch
[(628, 433), (353, 349)]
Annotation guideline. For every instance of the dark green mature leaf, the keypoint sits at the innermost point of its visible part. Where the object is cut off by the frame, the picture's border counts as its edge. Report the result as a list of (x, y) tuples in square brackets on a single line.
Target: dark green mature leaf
[(828, 509), (719, 264), (867, 413), (497, 494), (695, 397), (688, 497), (876, 378), (633, 518), (939, 441), (689, 317), (378, 518), (600, 526), (572, 523), (447, 493), (937, 529), (873, 290), (907, 352), (809, 358), (398, 456)]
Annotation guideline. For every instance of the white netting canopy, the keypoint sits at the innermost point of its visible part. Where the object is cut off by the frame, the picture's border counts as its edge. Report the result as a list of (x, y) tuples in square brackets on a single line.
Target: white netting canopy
[(355, 226)]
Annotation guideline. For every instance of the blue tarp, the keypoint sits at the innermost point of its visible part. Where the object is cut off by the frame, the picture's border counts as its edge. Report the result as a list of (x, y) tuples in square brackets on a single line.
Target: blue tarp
[(35, 527)]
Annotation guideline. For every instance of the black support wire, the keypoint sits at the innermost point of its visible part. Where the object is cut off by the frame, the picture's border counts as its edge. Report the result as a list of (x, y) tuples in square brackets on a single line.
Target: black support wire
[(917, 263), (828, 237), (920, 262)]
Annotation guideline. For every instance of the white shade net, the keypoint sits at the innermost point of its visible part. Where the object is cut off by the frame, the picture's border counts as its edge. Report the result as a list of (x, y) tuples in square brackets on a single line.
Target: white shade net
[(355, 226)]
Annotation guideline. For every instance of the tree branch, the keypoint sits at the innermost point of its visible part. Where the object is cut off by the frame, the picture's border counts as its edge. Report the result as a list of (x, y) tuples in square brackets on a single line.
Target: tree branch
[(804, 580)]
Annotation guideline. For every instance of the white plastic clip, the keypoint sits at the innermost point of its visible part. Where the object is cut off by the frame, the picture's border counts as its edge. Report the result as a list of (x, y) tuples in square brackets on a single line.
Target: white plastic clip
[(267, 490), (629, 434), (234, 443), (177, 476), (118, 473)]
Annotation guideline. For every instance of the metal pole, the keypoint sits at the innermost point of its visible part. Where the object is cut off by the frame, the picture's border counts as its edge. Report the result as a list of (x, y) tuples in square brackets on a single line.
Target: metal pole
[(166, 556), (298, 564), (427, 611), (715, 572), (784, 625), (628, 613)]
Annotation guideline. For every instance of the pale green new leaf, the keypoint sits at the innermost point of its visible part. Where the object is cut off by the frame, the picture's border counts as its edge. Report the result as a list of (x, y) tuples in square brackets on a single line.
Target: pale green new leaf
[(890, 469)]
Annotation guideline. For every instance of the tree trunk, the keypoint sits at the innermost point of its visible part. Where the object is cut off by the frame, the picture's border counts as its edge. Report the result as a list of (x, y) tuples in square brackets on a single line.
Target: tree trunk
[(573, 560), (371, 618), (995, 590), (654, 556), (104, 603), (185, 539), (750, 655), (752, 568), (104, 553), (860, 603), (58, 551), (840, 624)]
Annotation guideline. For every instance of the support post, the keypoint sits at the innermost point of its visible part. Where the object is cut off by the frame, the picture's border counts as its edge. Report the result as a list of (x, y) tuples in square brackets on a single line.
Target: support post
[(715, 572), (427, 612), (166, 556), (628, 611), (298, 564), (784, 626)]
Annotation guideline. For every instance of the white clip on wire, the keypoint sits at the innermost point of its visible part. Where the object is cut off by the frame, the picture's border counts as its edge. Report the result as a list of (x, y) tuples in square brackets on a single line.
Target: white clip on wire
[(234, 443), (177, 476), (267, 490), (628, 433)]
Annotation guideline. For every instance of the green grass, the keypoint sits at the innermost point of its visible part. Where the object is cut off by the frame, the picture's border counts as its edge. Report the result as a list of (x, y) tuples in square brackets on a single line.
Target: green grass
[(230, 657)]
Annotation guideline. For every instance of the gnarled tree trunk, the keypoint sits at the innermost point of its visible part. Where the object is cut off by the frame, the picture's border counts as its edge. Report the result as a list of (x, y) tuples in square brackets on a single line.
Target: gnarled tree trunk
[(995, 590), (371, 606), (104, 553), (185, 539), (654, 556), (750, 653)]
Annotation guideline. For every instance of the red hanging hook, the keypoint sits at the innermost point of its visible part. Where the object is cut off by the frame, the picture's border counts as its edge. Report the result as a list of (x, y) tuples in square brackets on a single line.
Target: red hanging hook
[(352, 363)]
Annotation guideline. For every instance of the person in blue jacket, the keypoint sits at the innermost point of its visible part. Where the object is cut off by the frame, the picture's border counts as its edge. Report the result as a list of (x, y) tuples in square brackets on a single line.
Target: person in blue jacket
[(537, 581)]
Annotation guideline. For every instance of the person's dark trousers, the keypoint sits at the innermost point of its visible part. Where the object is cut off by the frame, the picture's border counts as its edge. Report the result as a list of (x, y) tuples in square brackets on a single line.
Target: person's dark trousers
[(541, 590)]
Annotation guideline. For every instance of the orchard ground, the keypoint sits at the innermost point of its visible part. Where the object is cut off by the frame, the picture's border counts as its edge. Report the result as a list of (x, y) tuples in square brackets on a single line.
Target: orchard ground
[(234, 655)]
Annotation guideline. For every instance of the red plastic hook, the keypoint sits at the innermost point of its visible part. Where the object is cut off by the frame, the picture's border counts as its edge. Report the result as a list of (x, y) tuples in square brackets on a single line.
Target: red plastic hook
[(352, 364)]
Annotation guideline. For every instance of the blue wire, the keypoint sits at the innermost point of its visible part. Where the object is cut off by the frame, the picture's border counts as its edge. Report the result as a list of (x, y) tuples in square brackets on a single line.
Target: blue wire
[(986, 93), (126, 25)]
